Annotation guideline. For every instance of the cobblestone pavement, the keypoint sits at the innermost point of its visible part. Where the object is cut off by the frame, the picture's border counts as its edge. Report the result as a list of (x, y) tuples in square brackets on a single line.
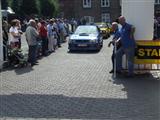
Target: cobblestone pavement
[(77, 86)]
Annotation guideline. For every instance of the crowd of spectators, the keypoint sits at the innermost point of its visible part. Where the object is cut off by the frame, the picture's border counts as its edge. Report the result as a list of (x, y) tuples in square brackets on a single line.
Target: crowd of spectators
[(43, 36)]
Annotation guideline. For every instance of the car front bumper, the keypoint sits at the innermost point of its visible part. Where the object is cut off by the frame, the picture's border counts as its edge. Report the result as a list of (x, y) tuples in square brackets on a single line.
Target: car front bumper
[(93, 46)]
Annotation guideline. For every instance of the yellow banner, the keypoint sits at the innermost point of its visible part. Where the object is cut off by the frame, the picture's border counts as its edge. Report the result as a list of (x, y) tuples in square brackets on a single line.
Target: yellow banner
[(147, 52)]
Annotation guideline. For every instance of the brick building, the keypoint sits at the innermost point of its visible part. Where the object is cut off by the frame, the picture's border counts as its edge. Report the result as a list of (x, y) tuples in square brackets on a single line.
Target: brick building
[(157, 8), (95, 10), (92, 10)]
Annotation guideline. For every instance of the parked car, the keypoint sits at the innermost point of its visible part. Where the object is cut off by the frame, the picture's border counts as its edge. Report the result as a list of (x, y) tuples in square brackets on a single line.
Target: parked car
[(105, 29), (86, 37)]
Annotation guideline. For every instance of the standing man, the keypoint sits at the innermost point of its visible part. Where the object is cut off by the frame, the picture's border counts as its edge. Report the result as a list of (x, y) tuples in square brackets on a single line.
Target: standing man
[(56, 25), (31, 37), (116, 36), (128, 46)]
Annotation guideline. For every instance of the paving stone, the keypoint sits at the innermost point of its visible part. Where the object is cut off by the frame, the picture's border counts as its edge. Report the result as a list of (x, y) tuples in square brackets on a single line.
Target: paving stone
[(77, 86)]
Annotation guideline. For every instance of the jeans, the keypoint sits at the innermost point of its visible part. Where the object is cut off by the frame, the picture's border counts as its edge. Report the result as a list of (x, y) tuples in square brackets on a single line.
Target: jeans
[(130, 53), (32, 54)]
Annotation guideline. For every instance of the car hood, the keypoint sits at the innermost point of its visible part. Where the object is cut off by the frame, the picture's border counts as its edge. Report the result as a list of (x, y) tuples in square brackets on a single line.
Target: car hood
[(84, 37)]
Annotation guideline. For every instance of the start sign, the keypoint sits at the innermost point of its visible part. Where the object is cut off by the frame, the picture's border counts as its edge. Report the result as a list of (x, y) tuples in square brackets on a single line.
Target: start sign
[(148, 52)]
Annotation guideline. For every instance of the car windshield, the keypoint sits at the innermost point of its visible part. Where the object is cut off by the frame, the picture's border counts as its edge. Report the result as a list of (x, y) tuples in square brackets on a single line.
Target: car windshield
[(86, 30)]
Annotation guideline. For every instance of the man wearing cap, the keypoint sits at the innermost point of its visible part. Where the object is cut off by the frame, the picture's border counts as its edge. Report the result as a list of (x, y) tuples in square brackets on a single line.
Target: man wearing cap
[(31, 37)]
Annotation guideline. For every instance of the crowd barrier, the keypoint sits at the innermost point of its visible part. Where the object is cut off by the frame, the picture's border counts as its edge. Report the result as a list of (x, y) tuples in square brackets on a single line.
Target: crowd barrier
[(147, 56)]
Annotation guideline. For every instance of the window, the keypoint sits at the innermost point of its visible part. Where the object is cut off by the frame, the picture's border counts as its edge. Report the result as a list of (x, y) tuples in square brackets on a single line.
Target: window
[(106, 17), (105, 3), (157, 1), (87, 3)]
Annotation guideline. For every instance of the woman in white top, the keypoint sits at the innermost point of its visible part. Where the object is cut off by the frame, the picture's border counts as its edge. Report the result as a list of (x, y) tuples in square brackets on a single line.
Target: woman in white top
[(14, 34)]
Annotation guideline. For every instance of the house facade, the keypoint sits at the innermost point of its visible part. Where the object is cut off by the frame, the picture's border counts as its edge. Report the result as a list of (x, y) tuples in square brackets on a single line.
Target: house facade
[(95, 10), (157, 8), (91, 10)]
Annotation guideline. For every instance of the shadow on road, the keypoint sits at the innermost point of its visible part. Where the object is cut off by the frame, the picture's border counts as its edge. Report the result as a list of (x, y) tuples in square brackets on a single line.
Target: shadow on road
[(19, 71), (83, 52), (142, 103), (23, 70)]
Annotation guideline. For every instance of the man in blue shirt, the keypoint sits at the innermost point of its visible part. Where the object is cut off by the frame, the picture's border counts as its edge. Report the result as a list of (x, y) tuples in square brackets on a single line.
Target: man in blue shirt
[(128, 46)]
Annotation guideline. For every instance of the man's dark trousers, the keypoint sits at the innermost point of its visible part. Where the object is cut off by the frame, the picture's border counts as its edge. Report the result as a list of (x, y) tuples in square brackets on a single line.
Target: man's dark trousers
[(32, 54)]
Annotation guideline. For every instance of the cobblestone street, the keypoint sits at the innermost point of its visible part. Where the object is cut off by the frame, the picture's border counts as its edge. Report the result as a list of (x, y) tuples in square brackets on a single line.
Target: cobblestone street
[(77, 86)]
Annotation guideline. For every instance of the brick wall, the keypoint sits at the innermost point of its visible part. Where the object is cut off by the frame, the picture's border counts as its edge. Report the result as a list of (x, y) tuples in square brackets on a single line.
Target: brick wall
[(157, 10), (67, 9), (74, 9)]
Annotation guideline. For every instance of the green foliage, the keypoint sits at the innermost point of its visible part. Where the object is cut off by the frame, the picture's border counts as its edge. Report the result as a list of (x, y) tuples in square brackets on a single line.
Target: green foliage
[(15, 5), (46, 8), (56, 4), (4, 4), (29, 7), (49, 8)]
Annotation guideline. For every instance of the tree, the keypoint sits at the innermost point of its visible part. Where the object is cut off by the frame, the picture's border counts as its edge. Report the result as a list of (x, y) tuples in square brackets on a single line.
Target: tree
[(4, 4), (47, 8), (15, 5), (29, 7), (23, 8), (56, 5)]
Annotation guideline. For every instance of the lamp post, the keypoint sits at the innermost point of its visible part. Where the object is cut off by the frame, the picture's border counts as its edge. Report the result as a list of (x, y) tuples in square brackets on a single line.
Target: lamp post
[(1, 39)]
